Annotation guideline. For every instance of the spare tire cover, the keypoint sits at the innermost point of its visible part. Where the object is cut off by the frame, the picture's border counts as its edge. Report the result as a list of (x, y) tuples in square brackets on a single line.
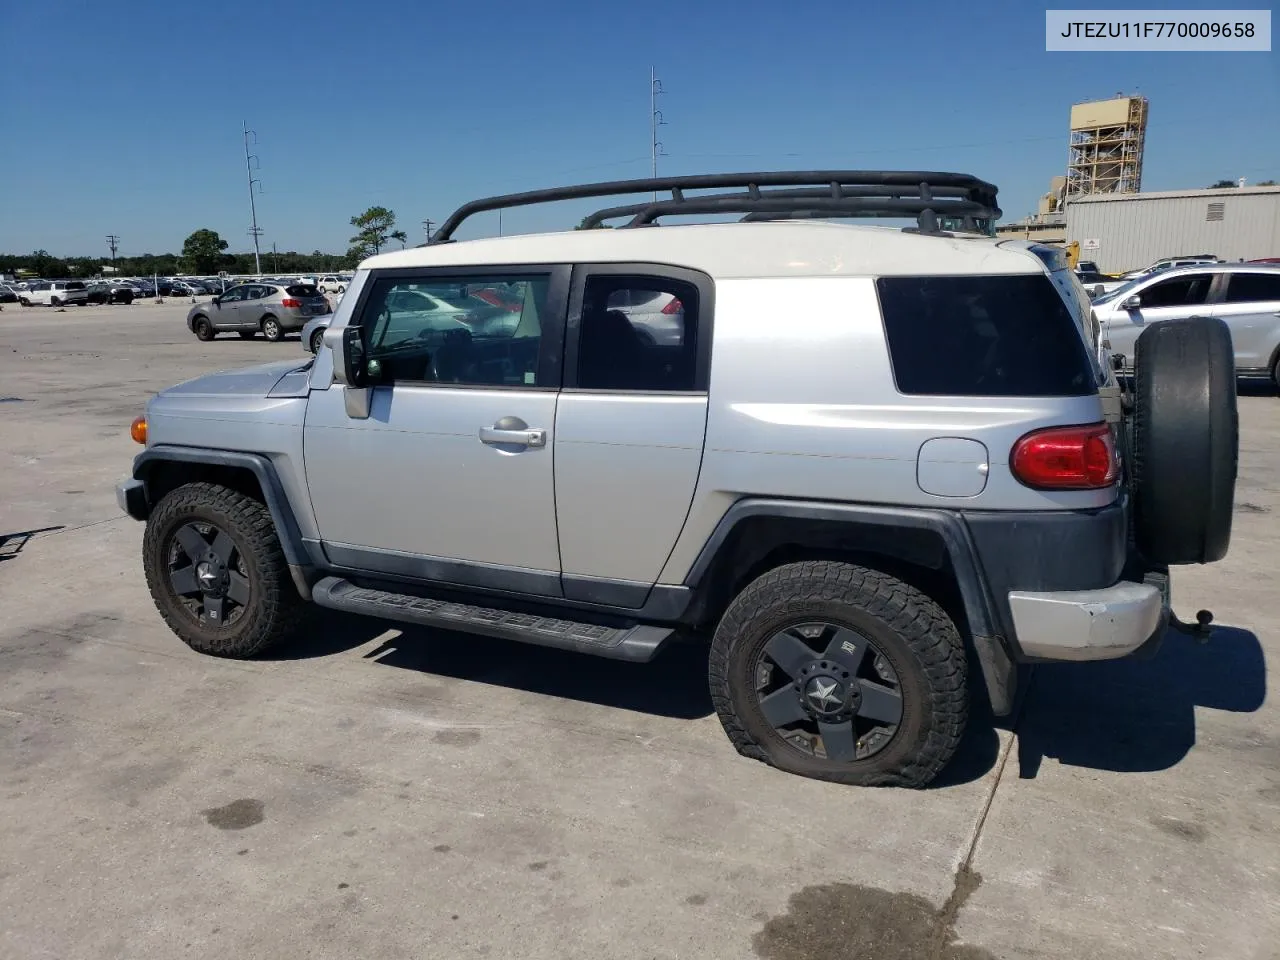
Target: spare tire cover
[(1184, 441)]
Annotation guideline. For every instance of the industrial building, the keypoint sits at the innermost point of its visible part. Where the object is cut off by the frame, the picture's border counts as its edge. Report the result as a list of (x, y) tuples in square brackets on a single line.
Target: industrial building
[(1105, 146), (1104, 155), (1128, 231)]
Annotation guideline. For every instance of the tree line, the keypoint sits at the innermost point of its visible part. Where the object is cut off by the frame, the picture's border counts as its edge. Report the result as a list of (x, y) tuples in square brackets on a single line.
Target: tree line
[(204, 253)]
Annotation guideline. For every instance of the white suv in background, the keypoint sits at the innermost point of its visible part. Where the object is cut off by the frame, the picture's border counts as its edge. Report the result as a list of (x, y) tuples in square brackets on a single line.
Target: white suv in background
[(55, 293), (332, 284)]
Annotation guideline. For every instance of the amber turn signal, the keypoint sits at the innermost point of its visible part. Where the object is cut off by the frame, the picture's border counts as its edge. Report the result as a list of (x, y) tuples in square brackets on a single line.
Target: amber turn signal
[(138, 430)]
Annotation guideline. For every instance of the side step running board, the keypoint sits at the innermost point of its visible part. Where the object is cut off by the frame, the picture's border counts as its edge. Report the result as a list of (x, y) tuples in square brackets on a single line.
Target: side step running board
[(639, 643)]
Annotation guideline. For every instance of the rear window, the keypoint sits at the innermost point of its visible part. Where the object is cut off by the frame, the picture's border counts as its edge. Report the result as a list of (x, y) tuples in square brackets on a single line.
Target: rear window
[(1005, 336), (302, 290)]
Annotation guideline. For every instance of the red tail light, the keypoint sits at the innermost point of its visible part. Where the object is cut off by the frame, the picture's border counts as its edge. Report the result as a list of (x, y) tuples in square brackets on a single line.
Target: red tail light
[(1066, 458), (673, 307), (291, 302)]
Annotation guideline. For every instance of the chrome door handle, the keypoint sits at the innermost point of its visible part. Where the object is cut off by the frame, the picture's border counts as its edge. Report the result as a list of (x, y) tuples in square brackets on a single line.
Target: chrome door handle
[(495, 436)]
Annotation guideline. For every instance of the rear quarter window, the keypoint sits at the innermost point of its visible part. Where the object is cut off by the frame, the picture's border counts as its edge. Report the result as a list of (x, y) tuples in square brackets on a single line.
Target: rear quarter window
[(985, 336)]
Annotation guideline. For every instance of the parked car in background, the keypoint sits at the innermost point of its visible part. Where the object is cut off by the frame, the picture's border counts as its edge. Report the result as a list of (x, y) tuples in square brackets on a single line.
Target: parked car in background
[(1244, 296), (55, 293), (1168, 263), (332, 284), (270, 309), (112, 292), (1266, 260), (1088, 266), (187, 288), (8, 294)]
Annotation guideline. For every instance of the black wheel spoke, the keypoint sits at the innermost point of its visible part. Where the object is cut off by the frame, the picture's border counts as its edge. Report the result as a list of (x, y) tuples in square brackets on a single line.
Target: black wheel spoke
[(847, 648), (782, 707), (183, 581), (839, 741), (213, 610), (880, 702), (222, 547), (191, 543), (790, 653), (238, 588)]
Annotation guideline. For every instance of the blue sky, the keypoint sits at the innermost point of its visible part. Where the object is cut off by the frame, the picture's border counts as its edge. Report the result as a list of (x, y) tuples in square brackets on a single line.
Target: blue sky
[(125, 118)]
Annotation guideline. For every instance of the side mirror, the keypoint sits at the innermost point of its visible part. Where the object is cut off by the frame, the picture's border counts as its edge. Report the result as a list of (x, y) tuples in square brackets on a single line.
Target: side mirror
[(1132, 303), (348, 356)]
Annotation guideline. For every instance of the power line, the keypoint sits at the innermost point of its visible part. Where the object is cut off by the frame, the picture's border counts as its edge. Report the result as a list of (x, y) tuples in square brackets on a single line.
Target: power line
[(254, 231), (113, 242), (655, 121)]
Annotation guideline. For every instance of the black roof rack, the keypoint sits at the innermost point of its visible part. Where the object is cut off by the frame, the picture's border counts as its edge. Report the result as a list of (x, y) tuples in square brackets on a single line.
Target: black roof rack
[(813, 193)]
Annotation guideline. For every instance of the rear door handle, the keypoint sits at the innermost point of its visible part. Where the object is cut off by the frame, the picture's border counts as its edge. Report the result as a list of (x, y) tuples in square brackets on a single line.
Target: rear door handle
[(519, 437)]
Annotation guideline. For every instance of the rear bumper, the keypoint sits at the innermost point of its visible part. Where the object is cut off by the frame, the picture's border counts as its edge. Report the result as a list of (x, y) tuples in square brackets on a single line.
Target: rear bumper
[(1101, 624)]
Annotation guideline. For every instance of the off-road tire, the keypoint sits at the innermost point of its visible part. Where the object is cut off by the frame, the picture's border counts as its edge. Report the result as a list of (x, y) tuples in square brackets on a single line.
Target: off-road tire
[(274, 612), (271, 329), (909, 629), (202, 328)]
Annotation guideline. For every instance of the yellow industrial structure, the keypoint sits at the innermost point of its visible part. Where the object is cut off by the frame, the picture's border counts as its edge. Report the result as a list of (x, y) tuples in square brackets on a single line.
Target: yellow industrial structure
[(1105, 153)]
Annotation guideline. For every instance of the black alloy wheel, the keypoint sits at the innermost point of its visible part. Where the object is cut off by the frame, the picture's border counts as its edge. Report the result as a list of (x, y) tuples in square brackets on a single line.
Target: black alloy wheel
[(828, 691), (207, 573)]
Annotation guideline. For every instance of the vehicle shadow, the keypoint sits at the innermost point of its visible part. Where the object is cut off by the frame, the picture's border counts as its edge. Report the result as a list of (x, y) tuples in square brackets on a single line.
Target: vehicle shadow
[(674, 684), (1137, 715)]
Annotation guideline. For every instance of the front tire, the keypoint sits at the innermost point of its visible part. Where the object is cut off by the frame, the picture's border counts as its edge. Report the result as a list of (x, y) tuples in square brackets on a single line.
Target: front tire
[(837, 672), (317, 342), (24, 301), (271, 329), (203, 329), (217, 573)]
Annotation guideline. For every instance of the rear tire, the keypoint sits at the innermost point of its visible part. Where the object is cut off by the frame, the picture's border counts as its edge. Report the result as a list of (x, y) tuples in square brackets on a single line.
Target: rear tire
[(205, 514), (203, 329), (861, 630), (271, 329), (1185, 441)]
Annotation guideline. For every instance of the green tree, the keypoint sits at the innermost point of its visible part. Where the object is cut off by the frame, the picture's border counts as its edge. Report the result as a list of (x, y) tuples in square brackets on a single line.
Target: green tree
[(203, 251), (376, 227), (1221, 185), (1267, 183)]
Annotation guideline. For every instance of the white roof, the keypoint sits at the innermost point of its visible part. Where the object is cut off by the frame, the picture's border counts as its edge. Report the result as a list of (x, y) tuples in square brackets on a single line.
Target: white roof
[(726, 250)]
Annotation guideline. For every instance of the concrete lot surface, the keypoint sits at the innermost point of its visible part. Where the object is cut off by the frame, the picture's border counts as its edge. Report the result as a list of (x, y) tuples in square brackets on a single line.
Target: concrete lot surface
[(377, 793)]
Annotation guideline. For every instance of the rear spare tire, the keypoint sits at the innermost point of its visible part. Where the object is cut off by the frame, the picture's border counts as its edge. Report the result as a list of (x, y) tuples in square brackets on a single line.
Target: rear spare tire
[(1182, 469)]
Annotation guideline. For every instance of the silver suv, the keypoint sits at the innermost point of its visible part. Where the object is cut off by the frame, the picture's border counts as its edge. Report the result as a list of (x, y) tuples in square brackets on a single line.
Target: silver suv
[(1245, 296), (273, 309), (862, 464)]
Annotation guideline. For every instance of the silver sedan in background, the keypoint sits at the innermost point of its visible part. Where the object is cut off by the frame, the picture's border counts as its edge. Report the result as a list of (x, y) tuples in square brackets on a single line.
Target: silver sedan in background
[(251, 308)]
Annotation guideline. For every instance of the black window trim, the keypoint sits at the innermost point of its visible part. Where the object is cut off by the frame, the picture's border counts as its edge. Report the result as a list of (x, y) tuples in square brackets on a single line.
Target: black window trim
[(551, 321), (705, 319)]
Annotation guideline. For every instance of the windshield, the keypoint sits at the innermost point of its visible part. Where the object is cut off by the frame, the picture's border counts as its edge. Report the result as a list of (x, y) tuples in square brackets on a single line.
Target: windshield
[(1120, 291)]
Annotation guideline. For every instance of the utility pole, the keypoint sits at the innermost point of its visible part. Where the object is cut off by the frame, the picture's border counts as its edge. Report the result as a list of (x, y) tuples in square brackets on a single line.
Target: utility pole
[(655, 121), (254, 231), (114, 243), (426, 228), (275, 264)]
